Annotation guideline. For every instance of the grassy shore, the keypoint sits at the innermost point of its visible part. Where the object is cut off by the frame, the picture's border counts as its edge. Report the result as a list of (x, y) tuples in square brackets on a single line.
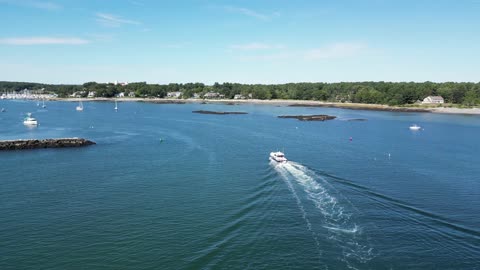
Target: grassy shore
[(445, 108)]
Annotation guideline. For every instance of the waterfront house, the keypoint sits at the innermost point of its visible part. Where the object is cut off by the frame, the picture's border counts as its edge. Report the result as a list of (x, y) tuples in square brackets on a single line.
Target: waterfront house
[(239, 96), (174, 94), (92, 94), (210, 95), (120, 95), (131, 94), (77, 94), (196, 95), (433, 100)]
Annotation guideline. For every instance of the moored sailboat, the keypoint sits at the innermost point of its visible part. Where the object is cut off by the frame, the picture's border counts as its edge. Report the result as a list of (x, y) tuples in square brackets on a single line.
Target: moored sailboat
[(80, 106)]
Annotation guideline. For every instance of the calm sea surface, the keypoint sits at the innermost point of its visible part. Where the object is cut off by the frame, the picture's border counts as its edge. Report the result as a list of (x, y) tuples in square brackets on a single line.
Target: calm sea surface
[(168, 189)]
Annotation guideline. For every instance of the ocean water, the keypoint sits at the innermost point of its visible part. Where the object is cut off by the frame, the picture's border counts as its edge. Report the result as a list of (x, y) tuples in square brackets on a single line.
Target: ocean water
[(168, 189)]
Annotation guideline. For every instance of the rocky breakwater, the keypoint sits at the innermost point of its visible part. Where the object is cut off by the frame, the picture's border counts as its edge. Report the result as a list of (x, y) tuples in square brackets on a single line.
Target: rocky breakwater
[(44, 143), (318, 117)]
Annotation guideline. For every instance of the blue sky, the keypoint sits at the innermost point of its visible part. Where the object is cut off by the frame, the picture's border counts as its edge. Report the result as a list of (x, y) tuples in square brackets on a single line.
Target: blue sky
[(262, 41)]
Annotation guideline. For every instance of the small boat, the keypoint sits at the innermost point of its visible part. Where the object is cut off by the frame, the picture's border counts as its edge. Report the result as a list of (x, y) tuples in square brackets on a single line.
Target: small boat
[(29, 120), (43, 104), (38, 103), (415, 127), (116, 106), (3, 110), (80, 106), (278, 157)]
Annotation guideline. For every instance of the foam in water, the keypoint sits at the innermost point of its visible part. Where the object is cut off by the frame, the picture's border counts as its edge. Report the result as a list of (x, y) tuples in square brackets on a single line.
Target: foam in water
[(300, 206), (337, 220)]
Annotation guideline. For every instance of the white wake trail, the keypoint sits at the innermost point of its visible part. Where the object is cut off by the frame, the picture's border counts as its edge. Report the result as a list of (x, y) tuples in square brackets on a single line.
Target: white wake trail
[(337, 225), (284, 173)]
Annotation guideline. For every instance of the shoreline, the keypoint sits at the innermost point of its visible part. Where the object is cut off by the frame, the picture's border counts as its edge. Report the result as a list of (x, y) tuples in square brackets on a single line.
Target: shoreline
[(289, 102)]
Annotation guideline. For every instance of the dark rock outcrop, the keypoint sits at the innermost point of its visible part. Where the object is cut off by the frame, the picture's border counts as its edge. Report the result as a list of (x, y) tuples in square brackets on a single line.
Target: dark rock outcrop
[(45, 143), (363, 107), (320, 117), (222, 113), (356, 120)]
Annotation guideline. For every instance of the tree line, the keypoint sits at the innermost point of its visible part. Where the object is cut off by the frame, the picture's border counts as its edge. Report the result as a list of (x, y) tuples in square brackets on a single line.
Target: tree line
[(391, 93)]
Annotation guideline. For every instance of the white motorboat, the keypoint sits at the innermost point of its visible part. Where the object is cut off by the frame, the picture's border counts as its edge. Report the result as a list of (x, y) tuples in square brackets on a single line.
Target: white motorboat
[(415, 127), (278, 157), (80, 106), (116, 106), (3, 110), (29, 120)]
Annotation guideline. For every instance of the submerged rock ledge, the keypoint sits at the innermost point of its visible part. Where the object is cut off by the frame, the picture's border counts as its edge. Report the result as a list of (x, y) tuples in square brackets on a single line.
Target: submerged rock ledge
[(214, 112), (360, 106), (318, 117), (45, 143)]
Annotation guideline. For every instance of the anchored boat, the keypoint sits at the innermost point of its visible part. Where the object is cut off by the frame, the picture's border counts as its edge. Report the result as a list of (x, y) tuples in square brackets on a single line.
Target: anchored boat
[(415, 127), (80, 106), (29, 120)]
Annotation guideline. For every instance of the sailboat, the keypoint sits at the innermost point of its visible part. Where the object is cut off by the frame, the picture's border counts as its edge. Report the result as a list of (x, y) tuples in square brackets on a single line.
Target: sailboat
[(80, 106), (43, 105), (116, 106)]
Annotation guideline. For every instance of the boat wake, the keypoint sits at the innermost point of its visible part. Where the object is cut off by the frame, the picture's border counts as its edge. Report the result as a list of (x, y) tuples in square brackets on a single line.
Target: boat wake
[(328, 216)]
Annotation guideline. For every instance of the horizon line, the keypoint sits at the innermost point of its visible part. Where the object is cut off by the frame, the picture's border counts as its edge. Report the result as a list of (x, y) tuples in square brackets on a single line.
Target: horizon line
[(207, 84)]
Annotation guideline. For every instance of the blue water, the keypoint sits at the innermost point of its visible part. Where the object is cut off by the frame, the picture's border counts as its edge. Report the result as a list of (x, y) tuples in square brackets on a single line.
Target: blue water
[(168, 189)]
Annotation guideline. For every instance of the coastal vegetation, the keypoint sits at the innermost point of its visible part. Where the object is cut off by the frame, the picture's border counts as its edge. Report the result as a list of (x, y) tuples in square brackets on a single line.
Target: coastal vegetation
[(391, 93)]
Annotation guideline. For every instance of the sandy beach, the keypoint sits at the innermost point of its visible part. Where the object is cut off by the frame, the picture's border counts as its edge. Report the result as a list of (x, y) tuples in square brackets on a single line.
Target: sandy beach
[(457, 110)]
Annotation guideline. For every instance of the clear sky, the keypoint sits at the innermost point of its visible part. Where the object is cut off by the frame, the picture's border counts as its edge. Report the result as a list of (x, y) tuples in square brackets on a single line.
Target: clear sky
[(261, 41)]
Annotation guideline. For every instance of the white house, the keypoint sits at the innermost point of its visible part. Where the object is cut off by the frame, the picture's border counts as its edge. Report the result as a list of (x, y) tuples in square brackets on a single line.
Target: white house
[(131, 94), (121, 94), (92, 94), (238, 96), (174, 94), (196, 95), (78, 94), (211, 95), (119, 83), (433, 100)]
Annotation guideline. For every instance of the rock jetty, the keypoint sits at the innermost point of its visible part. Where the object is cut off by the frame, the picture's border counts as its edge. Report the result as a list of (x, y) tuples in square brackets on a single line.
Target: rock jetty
[(214, 112), (318, 117), (45, 143)]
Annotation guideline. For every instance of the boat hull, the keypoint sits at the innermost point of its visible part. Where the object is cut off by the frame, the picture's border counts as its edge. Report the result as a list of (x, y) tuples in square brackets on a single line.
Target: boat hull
[(278, 161), (30, 123)]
